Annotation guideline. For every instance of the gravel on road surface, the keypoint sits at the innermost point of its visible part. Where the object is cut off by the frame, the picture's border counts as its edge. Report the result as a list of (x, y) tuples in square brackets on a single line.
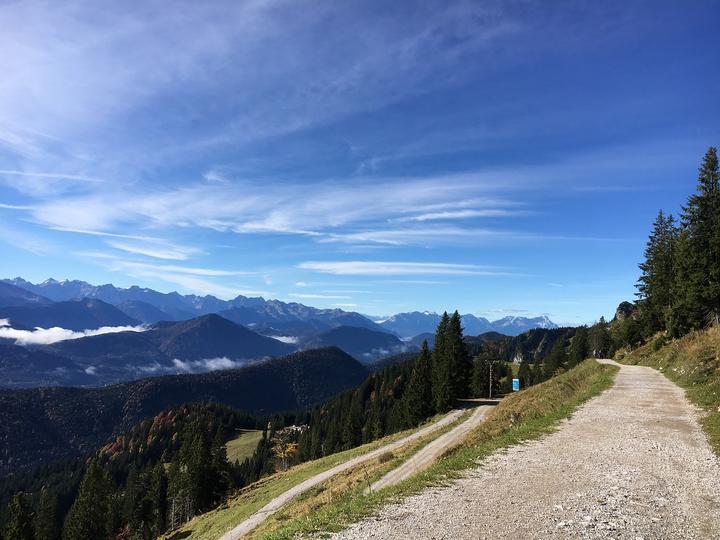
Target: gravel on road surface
[(631, 463)]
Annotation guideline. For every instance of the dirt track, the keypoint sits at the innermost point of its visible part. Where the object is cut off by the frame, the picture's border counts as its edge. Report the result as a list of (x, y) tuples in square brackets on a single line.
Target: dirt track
[(273, 506), (630, 464), (433, 451)]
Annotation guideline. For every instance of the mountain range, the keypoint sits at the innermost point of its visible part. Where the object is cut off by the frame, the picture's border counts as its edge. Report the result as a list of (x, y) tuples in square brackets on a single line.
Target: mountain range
[(150, 306), (411, 324), (74, 333), (271, 317)]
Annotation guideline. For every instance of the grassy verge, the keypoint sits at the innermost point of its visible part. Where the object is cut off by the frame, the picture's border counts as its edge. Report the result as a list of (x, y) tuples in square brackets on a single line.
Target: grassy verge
[(520, 417), (244, 445), (212, 525), (692, 362)]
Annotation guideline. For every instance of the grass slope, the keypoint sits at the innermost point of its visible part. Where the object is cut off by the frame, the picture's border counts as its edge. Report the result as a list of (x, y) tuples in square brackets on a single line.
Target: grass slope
[(244, 445), (523, 416), (692, 362)]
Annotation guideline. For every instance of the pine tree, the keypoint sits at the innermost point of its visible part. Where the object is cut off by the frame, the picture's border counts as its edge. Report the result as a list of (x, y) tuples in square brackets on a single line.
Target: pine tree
[(441, 385), (220, 468), (419, 395), (525, 374), (47, 522), (701, 222), (19, 522), (88, 516), (656, 283), (480, 377), (460, 365), (158, 495), (579, 347), (600, 341), (555, 360)]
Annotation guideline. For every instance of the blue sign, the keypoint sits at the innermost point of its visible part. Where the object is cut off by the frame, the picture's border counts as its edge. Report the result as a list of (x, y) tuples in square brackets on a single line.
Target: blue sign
[(516, 385)]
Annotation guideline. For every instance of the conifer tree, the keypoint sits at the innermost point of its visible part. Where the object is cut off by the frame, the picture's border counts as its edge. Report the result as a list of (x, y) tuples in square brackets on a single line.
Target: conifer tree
[(47, 521), (701, 221), (419, 396), (158, 495), (88, 516), (220, 484), (525, 374), (480, 377), (441, 385), (460, 365), (599, 339), (686, 299), (579, 347), (656, 283), (555, 360), (19, 524)]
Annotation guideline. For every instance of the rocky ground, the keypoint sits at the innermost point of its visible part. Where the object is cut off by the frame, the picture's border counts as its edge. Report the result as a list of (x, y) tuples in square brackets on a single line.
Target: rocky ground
[(632, 463)]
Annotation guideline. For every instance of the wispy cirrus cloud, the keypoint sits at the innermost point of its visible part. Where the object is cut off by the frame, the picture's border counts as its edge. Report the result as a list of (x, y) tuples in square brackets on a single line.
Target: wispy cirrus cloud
[(152, 249), (319, 296), (389, 268), (60, 176), (321, 210), (172, 268), (82, 70), (462, 214)]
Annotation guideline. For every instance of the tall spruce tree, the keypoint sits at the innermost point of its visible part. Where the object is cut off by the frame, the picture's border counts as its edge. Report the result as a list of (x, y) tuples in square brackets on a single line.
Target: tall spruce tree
[(579, 347), (158, 496), (88, 516), (441, 385), (656, 283), (525, 374), (460, 365), (19, 524), (555, 360), (480, 381), (419, 396), (47, 520), (701, 270), (687, 289), (599, 339)]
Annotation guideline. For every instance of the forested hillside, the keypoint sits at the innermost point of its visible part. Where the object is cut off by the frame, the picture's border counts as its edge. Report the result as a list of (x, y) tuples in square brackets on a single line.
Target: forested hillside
[(45, 424)]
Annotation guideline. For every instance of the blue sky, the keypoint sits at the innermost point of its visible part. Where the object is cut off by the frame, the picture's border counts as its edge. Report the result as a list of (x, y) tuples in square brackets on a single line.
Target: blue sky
[(494, 157)]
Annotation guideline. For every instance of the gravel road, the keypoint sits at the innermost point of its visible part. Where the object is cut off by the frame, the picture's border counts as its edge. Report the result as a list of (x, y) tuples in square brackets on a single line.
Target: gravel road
[(632, 463), (278, 502)]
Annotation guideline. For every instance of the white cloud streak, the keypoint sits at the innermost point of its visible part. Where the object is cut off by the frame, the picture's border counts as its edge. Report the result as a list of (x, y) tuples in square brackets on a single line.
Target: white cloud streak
[(166, 252), (387, 268), (62, 176), (462, 214), (208, 364), (319, 296)]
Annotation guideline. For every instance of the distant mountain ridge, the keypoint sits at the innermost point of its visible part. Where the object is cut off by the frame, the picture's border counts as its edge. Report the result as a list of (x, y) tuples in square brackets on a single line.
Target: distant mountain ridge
[(414, 323), (363, 344), (272, 317), (269, 317), (12, 295), (78, 315)]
